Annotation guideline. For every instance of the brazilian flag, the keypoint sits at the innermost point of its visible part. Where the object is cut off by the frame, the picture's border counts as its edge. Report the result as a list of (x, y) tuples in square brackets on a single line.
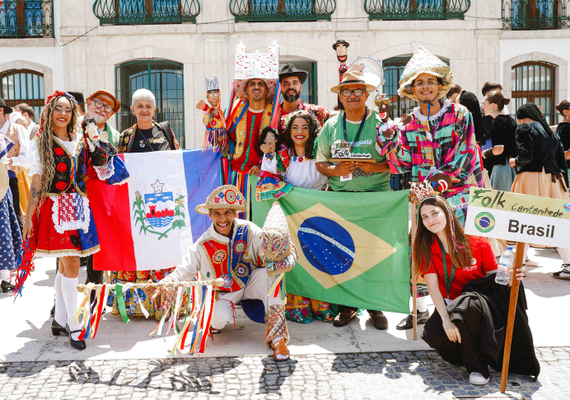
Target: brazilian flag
[(353, 247)]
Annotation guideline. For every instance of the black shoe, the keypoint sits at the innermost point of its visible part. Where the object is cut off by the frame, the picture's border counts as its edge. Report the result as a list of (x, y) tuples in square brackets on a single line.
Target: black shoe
[(408, 322), (57, 329), (78, 344), (378, 319), (7, 286), (52, 312)]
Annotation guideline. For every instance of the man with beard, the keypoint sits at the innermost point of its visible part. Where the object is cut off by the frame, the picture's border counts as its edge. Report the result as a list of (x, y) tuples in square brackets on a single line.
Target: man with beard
[(356, 128), (292, 80), (102, 105)]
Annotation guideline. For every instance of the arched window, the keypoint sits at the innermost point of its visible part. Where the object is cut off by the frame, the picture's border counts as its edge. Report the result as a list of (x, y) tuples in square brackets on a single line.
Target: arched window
[(23, 86), (165, 79), (534, 82)]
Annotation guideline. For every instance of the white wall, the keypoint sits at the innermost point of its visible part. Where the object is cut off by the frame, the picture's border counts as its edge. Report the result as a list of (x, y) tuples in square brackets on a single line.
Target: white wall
[(477, 48)]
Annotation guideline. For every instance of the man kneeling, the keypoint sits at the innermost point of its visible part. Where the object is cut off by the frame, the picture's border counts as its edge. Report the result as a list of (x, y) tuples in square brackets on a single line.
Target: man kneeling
[(231, 249)]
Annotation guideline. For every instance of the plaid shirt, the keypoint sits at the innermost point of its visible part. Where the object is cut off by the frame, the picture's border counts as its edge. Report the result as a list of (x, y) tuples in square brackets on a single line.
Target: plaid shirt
[(445, 143)]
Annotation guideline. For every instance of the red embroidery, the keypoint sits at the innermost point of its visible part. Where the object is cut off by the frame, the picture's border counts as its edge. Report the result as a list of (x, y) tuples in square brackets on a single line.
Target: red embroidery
[(59, 151), (60, 185), (61, 167)]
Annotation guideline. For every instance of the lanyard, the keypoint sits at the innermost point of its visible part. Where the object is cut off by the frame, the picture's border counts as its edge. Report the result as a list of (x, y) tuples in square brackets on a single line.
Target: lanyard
[(359, 128), (448, 280)]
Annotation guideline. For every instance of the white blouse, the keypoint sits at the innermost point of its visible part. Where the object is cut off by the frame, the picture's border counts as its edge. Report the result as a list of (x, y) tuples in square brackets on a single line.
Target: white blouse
[(299, 173), (33, 154)]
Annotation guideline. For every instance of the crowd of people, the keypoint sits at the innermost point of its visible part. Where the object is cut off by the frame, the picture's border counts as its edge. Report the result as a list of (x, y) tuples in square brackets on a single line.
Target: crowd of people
[(451, 136)]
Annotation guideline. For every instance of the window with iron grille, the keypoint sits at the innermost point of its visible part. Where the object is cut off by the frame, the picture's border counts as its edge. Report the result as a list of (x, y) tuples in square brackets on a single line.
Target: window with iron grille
[(26, 18), (165, 79), (282, 10), (23, 86), (534, 82), (535, 14)]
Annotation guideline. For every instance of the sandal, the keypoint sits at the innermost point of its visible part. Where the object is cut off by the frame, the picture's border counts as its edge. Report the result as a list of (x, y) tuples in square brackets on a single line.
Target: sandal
[(379, 320), (345, 316), (280, 350)]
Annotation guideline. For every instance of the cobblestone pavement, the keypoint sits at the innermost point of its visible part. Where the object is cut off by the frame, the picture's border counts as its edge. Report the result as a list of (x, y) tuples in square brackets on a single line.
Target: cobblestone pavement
[(398, 375)]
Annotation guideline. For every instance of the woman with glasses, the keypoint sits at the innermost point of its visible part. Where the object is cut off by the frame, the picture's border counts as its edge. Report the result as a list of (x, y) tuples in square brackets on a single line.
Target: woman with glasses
[(59, 222)]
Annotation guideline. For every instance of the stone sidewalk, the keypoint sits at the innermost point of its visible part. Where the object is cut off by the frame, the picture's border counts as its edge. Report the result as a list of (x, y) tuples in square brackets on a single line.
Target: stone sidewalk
[(402, 375)]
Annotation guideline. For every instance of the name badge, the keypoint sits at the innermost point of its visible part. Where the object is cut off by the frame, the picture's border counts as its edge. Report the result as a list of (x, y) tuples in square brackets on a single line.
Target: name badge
[(346, 177)]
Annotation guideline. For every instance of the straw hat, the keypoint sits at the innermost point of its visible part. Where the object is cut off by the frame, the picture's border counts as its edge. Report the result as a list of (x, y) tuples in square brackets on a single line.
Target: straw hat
[(227, 196), (424, 62), (4, 180), (353, 76)]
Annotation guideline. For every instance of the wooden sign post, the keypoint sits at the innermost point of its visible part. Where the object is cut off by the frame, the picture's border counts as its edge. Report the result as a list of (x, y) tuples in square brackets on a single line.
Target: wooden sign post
[(523, 219)]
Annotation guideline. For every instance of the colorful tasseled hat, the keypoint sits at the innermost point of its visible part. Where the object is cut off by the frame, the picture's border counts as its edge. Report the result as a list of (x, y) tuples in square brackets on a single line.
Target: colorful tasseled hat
[(227, 196), (424, 62), (264, 66), (279, 252)]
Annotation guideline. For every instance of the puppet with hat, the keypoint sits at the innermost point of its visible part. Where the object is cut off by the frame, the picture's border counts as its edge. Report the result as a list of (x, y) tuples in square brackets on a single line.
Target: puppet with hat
[(214, 119)]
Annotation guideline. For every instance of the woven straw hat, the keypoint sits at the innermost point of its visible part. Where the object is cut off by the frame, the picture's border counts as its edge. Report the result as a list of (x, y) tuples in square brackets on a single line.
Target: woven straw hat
[(275, 241), (424, 62), (353, 76), (227, 196), (4, 180)]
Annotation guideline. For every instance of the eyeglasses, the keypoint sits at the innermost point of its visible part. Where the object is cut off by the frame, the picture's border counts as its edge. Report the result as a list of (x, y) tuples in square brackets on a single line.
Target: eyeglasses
[(62, 110), (425, 84), (100, 104), (348, 92)]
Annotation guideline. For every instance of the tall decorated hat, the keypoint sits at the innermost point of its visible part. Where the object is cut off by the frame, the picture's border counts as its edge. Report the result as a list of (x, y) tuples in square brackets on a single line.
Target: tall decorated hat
[(227, 196), (256, 65), (279, 252), (212, 83), (424, 62)]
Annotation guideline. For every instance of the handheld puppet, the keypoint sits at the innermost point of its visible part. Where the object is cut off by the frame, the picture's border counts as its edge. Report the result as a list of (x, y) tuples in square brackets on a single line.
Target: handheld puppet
[(215, 137), (270, 184), (341, 50)]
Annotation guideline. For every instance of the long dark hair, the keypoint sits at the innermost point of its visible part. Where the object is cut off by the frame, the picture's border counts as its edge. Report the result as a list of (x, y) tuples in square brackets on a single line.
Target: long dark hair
[(263, 135), (313, 132), (424, 239)]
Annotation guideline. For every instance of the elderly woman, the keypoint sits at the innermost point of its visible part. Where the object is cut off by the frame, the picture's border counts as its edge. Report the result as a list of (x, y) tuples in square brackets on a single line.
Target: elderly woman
[(145, 136)]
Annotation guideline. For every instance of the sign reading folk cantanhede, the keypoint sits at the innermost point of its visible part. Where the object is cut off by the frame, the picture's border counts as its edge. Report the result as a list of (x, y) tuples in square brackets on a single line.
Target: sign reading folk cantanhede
[(518, 217)]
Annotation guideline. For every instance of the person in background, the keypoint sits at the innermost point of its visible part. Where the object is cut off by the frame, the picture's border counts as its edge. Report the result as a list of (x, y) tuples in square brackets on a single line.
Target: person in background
[(563, 129), (541, 166), (454, 93), (80, 101), (29, 114)]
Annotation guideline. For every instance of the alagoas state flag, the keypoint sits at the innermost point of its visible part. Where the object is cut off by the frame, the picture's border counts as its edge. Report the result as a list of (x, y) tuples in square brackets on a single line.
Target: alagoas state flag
[(353, 247), (149, 222)]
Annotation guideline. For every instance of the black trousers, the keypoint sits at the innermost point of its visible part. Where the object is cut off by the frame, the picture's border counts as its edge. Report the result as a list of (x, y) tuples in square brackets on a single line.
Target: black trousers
[(468, 352)]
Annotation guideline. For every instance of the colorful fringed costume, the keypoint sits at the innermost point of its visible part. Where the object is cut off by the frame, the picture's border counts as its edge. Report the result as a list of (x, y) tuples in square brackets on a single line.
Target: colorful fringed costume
[(214, 121), (236, 259)]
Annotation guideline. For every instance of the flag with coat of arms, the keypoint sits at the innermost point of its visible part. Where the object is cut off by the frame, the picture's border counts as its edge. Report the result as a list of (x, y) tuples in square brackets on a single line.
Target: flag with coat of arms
[(353, 247), (149, 222)]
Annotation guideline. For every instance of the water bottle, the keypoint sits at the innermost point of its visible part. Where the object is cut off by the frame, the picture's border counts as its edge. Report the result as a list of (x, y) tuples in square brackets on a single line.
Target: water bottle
[(505, 264)]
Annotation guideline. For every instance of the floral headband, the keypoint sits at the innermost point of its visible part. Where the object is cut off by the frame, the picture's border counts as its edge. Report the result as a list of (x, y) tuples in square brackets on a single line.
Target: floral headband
[(59, 93)]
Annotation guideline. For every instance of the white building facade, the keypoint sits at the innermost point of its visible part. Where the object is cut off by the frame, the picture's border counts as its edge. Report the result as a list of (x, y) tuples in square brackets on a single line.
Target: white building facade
[(169, 46)]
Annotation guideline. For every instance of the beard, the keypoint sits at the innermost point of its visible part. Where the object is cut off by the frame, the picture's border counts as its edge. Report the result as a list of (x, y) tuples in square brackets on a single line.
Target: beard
[(289, 98)]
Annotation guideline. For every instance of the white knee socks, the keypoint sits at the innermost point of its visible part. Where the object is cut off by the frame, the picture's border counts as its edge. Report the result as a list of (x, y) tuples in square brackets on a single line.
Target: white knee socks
[(421, 304), (4, 274), (60, 315), (69, 291)]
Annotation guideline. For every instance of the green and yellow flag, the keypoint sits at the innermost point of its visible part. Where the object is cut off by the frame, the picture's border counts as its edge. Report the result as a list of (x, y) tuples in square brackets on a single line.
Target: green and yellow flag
[(353, 247)]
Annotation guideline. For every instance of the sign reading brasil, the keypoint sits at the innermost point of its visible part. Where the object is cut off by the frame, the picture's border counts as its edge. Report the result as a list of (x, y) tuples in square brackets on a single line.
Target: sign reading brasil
[(518, 217)]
